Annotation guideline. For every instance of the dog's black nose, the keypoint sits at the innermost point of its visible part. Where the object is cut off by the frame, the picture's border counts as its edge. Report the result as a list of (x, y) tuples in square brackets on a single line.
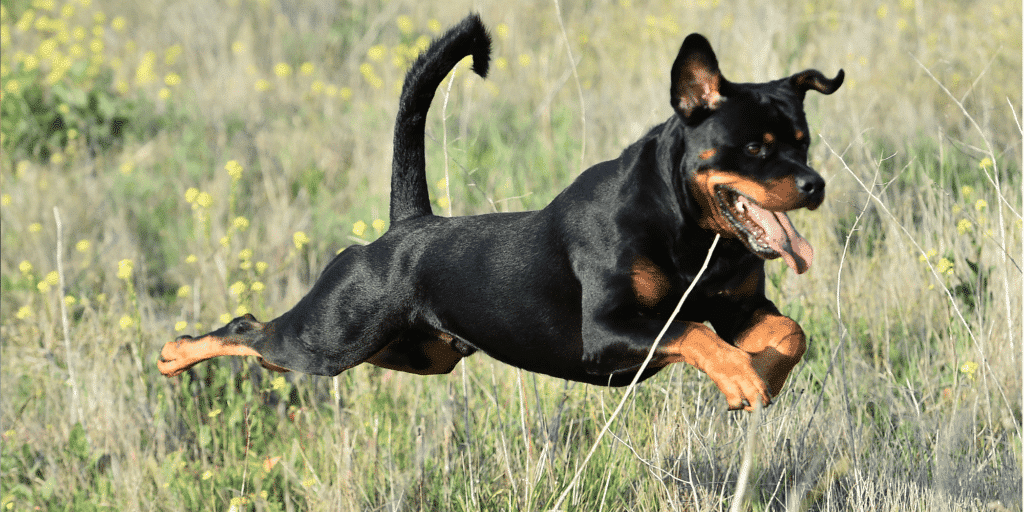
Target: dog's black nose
[(812, 186)]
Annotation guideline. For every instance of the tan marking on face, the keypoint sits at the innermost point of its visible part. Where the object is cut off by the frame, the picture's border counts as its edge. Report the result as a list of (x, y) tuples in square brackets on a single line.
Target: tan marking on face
[(650, 284), (800, 135), (778, 195), (769, 138), (707, 154), (703, 189)]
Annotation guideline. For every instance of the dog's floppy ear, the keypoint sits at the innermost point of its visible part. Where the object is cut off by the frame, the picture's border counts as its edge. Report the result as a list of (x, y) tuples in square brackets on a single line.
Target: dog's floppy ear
[(696, 81), (814, 79)]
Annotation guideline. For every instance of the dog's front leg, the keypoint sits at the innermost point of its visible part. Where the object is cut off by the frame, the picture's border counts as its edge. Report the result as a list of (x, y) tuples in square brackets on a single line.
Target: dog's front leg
[(775, 342), (733, 370)]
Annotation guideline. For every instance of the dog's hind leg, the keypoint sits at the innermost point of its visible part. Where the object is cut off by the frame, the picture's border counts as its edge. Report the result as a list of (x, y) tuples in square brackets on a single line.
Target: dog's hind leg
[(348, 316)]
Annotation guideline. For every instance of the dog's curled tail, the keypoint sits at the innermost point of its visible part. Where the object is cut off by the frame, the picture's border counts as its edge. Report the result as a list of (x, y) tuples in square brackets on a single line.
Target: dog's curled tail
[(409, 194)]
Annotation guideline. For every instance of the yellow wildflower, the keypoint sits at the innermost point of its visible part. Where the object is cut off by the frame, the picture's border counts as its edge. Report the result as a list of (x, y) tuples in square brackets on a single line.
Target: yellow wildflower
[(944, 266), (376, 53), (171, 55), (234, 169), (359, 228), (404, 24), (969, 368), (124, 269), (126, 322)]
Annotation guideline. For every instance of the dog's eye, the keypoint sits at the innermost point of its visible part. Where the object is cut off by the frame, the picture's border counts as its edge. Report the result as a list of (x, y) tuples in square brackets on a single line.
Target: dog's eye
[(755, 148)]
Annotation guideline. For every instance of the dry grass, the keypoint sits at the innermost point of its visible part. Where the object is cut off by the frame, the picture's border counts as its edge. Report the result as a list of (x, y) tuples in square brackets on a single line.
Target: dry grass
[(909, 398)]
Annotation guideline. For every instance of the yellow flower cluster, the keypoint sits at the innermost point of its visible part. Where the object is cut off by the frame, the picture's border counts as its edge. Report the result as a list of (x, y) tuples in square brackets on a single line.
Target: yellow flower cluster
[(75, 32), (969, 368), (359, 228), (234, 169), (943, 266), (198, 199)]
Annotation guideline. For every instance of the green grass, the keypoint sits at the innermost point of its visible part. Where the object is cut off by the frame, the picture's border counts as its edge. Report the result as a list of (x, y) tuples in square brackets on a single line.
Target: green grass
[(252, 143)]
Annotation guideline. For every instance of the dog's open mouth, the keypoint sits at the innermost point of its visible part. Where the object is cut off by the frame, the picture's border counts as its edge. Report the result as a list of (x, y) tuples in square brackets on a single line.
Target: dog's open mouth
[(766, 233)]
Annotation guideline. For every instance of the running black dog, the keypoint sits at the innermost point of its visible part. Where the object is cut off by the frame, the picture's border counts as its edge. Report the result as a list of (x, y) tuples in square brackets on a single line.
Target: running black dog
[(580, 289)]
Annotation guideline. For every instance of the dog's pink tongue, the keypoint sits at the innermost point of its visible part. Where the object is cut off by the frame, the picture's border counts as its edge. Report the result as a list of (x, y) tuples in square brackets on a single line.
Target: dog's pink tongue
[(782, 237)]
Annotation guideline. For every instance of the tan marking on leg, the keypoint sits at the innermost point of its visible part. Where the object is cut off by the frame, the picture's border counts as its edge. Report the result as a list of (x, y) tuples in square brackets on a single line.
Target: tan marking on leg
[(650, 284), (180, 355), (438, 352), (776, 344), (730, 368)]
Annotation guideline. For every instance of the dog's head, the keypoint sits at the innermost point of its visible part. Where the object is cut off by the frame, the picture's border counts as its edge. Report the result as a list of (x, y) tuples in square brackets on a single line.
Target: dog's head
[(746, 152)]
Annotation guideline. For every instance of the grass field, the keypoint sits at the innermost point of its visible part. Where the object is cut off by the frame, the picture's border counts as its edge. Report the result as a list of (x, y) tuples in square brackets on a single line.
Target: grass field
[(167, 166)]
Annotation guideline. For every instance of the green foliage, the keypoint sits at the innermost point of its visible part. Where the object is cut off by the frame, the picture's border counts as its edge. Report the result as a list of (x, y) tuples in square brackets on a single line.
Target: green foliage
[(40, 119)]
